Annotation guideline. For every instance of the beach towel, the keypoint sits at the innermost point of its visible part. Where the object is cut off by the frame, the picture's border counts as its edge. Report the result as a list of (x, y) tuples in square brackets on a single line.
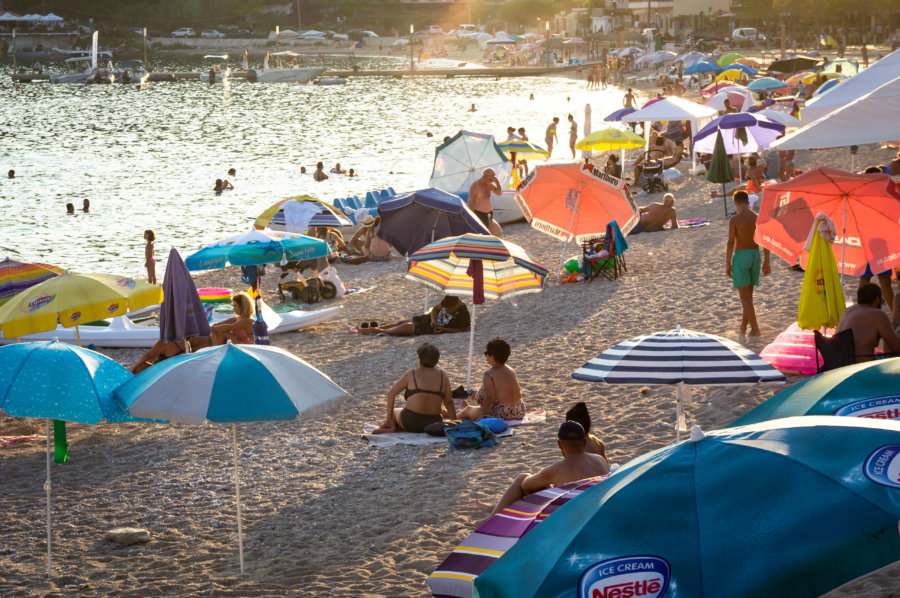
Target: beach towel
[(692, 223), (6, 441), (406, 437)]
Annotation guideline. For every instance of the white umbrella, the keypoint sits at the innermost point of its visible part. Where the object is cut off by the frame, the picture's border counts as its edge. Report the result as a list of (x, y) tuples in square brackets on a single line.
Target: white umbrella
[(780, 117), (229, 384)]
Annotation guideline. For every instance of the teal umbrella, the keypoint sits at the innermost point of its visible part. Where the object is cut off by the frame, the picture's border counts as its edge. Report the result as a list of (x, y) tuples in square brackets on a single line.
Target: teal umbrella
[(870, 390), (720, 168), (794, 507), (257, 247), (58, 381)]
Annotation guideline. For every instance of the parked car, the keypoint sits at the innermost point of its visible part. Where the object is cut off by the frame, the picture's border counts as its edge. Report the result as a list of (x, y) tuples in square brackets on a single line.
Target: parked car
[(237, 32), (435, 30), (466, 30), (184, 32), (212, 33)]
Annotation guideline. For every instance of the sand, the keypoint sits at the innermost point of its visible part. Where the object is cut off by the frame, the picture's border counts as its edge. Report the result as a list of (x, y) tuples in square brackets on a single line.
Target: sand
[(327, 515)]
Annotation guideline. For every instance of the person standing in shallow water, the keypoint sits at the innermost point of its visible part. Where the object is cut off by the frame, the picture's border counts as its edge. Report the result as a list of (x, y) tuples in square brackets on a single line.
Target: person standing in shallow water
[(573, 134), (550, 135), (150, 260)]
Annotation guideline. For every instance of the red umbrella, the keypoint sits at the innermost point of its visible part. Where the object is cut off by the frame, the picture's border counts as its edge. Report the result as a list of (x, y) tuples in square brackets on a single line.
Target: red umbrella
[(575, 202), (865, 209)]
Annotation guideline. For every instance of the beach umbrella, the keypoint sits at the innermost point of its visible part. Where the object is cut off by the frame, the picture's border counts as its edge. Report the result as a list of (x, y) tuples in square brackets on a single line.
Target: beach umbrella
[(301, 212), (821, 296), (181, 314), (680, 357), (717, 86), (720, 169), (779, 117), (477, 266), (729, 58), (751, 62), (652, 101), (53, 380), (689, 59), (741, 132), (734, 97), (412, 220), (610, 138), (16, 276), (703, 67), (257, 247), (864, 207), (742, 68), (866, 390), (765, 84), (74, 298), (460, 161), (631, 51), (618, 114), (693, 519), (522, 150), (229, 384), (455, 576), (574, 202), (792, 64), (826, 86)]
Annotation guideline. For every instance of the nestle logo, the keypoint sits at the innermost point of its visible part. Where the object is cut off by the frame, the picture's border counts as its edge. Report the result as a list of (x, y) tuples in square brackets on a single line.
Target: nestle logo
[(883, 466), (877, 408), (625, 577), (112, 307), (75, 316)]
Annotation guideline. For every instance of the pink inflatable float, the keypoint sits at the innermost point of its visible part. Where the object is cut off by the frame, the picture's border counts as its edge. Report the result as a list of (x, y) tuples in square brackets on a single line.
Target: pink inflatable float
[(793, 351)]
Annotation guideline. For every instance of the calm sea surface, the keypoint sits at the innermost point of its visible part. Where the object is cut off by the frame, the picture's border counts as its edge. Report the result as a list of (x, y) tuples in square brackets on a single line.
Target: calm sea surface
[(148, 158)]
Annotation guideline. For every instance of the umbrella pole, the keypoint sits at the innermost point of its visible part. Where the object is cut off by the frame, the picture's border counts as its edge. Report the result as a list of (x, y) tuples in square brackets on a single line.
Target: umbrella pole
[(47, 489), (724, 200), (843, 239), (77, 335), (427, 289), (562, 258), (237, 493), (471, 350)]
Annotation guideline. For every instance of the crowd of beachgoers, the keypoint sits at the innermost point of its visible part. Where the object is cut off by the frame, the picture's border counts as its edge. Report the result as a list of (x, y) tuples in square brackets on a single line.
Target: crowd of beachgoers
[(326, 511)]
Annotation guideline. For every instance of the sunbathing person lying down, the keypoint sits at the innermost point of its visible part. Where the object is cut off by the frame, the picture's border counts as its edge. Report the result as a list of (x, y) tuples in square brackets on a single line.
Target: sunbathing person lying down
[(450, 315)]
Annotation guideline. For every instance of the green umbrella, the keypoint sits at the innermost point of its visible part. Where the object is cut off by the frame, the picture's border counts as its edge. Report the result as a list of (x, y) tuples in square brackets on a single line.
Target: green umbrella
[(720, 168)]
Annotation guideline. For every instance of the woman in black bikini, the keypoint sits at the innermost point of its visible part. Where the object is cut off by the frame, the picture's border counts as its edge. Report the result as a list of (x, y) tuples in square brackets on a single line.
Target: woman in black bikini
[(427, 393)]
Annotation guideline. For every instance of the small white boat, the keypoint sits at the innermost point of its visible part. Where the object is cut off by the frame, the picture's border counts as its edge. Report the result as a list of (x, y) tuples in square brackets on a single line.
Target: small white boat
[(506, 210), (289, 75), (122, 332), (330, 81)]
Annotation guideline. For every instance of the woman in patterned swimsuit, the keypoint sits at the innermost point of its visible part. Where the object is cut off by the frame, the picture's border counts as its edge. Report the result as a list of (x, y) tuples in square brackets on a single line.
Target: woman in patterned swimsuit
[(500, 395)]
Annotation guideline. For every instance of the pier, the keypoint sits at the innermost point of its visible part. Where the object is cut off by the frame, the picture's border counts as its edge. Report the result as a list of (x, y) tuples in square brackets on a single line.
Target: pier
[(516, 71)]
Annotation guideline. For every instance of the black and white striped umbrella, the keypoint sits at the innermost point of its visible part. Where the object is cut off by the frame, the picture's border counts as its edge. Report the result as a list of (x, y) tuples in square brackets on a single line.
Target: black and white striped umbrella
[(680, 357)]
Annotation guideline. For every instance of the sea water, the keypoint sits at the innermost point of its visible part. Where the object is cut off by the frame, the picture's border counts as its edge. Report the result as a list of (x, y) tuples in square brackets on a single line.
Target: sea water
[(148, 158)]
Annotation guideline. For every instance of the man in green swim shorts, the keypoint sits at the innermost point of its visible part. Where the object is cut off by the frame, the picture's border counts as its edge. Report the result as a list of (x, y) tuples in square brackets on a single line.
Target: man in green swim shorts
[(742, 261)]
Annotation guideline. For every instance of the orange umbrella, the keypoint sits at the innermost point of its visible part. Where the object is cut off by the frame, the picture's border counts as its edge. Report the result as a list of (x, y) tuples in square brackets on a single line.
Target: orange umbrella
[(865, 209), (575, 202), (749, 62)]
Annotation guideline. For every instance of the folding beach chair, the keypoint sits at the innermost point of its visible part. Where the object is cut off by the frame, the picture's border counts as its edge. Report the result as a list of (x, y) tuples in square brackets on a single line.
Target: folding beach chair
[(605, 256), (837, 351)]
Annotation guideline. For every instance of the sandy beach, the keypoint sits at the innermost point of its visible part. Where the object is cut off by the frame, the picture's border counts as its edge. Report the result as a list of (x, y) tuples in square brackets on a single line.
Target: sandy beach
[(327, 515)]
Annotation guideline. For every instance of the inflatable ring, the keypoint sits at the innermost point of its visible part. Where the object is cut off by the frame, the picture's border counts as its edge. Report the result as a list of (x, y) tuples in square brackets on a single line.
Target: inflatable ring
[(215, 295)]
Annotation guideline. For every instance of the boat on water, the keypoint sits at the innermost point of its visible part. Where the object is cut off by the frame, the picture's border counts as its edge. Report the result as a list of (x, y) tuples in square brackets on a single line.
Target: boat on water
[(292, 73)]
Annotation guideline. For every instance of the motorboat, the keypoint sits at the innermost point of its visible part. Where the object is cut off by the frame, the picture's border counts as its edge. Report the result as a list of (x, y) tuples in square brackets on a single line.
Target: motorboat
[(291, 74)]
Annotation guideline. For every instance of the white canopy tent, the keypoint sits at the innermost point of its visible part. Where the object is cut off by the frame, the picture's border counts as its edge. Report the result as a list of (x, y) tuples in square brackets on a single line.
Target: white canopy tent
[(674, 108), (52, 18), (868, 119), (10, 16), (852, 88)]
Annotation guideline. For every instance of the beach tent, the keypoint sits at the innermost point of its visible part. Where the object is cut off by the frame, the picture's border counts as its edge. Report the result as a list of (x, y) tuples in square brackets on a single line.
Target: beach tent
[(864, 120), (674, 108), (855, 87)]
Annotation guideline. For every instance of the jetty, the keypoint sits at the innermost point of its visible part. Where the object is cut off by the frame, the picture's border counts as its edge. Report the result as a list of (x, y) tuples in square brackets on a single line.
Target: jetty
[(496, 72)]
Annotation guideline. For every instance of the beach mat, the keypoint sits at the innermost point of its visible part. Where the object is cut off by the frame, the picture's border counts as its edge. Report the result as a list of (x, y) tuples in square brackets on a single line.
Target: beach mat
[(6, 441), (455, 576), (692, 223), (395, 438)]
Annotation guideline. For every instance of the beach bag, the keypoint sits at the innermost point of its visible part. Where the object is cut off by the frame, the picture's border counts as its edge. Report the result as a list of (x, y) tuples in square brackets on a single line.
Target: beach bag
[(494, 424), (468, 434)]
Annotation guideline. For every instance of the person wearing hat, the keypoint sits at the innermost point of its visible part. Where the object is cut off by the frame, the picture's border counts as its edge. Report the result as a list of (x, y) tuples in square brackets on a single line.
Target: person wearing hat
[(576, 464), (357, 243)]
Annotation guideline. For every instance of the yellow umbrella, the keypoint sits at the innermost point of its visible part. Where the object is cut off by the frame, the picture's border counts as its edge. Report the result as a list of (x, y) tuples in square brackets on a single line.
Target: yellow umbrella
[(262, 221), (731, 75), (72, 299), (821, 296), (811, 77), (610, 138)]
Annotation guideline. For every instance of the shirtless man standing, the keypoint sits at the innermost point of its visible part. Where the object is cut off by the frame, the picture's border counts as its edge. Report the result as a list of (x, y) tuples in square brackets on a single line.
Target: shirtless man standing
[(480, 199), (576, 464), (655, 216), (742, 259), (869, 323)]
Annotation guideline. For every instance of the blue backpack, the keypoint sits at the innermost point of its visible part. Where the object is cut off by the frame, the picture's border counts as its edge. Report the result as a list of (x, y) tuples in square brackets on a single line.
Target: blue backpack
[(469, 434)]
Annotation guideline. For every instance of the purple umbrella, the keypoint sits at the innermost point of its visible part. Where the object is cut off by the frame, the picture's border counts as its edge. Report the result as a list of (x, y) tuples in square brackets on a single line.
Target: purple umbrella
[(181, 314), (758, 133), (618, 114)]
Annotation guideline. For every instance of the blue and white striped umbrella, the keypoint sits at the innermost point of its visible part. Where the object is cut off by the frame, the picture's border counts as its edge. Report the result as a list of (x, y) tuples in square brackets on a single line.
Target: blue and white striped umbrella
[(680, 357), (229, 384)]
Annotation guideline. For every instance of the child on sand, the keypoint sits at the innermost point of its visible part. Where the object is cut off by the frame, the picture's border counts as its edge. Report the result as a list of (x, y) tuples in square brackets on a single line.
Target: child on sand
[(150, 262)]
